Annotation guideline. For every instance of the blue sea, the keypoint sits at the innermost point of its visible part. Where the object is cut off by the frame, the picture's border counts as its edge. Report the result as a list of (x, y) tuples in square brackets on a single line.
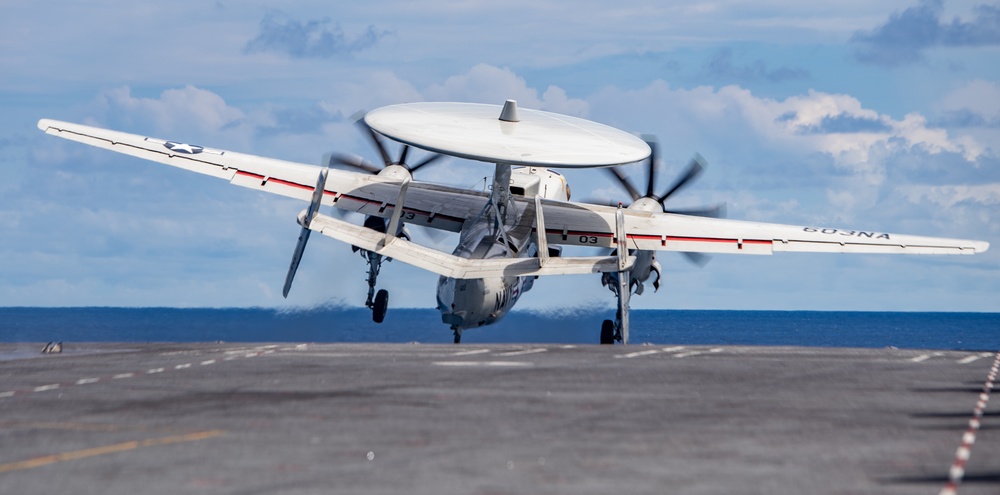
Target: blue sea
[(959, 331)]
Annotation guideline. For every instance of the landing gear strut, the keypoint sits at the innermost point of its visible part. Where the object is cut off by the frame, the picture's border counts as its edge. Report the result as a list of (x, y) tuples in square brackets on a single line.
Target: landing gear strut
[(619, 284)]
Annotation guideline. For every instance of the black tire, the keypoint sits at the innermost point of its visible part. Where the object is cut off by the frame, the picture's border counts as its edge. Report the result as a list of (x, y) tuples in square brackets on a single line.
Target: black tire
[(608, 332), (381, 306)]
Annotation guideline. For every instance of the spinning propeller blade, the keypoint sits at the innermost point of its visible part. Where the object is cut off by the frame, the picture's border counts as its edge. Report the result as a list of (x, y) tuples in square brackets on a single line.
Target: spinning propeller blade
[(377, 141), (627, 184), (305, 218), (716, 211), (353, 161), (695, 167), (357, 162), (426, 161), (653, 163)]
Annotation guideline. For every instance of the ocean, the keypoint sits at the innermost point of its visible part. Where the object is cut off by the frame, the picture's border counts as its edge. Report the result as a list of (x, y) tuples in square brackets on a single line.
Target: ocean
[(957, 331)]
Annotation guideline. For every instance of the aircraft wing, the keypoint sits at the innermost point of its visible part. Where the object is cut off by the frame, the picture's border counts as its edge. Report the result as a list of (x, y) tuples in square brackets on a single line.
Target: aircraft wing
[(428, 205), (447, 208), (594, 225)]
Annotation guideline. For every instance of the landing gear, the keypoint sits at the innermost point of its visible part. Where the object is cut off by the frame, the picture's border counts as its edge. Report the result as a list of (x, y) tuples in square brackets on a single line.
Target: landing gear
[(458, 336), (378, 303), (380, 306), (608, 332), (620, 285)]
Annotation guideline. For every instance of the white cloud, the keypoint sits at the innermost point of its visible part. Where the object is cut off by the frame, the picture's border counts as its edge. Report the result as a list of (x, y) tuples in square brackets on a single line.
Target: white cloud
[(978, 96), (189, 109), (487, 84)]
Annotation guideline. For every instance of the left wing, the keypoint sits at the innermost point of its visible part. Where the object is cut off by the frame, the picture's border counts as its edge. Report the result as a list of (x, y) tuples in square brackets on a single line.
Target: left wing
[(430, 205), (593, 225)]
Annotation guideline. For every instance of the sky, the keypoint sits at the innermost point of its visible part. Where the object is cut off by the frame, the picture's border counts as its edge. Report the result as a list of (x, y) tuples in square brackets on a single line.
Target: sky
[(862, 115)]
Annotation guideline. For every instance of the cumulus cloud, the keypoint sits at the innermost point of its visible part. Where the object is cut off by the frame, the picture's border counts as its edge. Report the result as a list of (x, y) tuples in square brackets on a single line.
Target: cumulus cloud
[(974, 104), (187, 108), (906, 35), (310, 39), (488, 84), (829, 144)]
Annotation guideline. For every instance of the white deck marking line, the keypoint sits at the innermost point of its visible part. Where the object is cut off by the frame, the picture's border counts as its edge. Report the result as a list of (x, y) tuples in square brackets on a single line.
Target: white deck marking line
[(568, 346), (964, 451), (675, 348), (921, 358), (119, 376), (522, 353), (469, 353), (637, 354), (483, 363), (688, 354), (974, 357)]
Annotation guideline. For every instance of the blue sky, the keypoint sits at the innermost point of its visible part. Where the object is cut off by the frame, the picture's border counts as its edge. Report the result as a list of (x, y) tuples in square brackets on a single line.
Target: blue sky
[(866, 115)]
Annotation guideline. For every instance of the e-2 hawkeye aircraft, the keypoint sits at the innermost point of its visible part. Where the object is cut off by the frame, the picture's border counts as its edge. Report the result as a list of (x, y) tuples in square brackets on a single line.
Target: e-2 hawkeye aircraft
[(513, 234)]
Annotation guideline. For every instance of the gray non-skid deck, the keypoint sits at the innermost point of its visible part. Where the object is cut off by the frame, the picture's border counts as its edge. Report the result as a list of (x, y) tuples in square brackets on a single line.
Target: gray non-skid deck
[(491, 419)]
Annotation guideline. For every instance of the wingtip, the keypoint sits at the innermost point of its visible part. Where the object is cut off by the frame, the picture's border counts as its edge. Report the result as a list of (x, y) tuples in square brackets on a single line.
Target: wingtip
[(44, 124), (982, 247)]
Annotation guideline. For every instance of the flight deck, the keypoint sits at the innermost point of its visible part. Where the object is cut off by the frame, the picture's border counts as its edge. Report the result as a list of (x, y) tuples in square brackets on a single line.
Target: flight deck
[(494, 419)]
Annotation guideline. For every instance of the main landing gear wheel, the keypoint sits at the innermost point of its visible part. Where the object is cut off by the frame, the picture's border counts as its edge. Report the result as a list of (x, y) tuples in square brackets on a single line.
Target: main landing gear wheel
[(381, 306), (608, 332)]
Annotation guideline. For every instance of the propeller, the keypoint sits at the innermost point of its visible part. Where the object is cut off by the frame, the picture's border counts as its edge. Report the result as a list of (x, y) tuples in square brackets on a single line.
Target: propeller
[(694, 169), (305, 218), (357, 162)]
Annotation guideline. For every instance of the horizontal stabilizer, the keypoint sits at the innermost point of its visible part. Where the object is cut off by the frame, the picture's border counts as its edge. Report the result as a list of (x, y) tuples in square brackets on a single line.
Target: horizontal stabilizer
[(453, 266)]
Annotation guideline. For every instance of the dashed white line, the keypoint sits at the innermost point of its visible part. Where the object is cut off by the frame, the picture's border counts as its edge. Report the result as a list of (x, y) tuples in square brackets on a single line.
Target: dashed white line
[(522, 353), (921, 358), (973, 358), (637, 354), (484, 363), (469, 353), (698, 353), (119, 376)]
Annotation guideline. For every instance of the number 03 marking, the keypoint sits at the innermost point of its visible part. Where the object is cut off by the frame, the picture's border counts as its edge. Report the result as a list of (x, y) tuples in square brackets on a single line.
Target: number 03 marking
[(588, 239)]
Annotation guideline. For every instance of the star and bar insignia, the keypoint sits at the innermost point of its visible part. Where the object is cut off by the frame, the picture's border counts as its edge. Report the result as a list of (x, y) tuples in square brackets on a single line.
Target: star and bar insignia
[(183, 147)]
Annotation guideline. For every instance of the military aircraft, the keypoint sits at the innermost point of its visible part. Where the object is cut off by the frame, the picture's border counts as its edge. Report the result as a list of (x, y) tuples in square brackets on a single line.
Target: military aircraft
[(513, 234)]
